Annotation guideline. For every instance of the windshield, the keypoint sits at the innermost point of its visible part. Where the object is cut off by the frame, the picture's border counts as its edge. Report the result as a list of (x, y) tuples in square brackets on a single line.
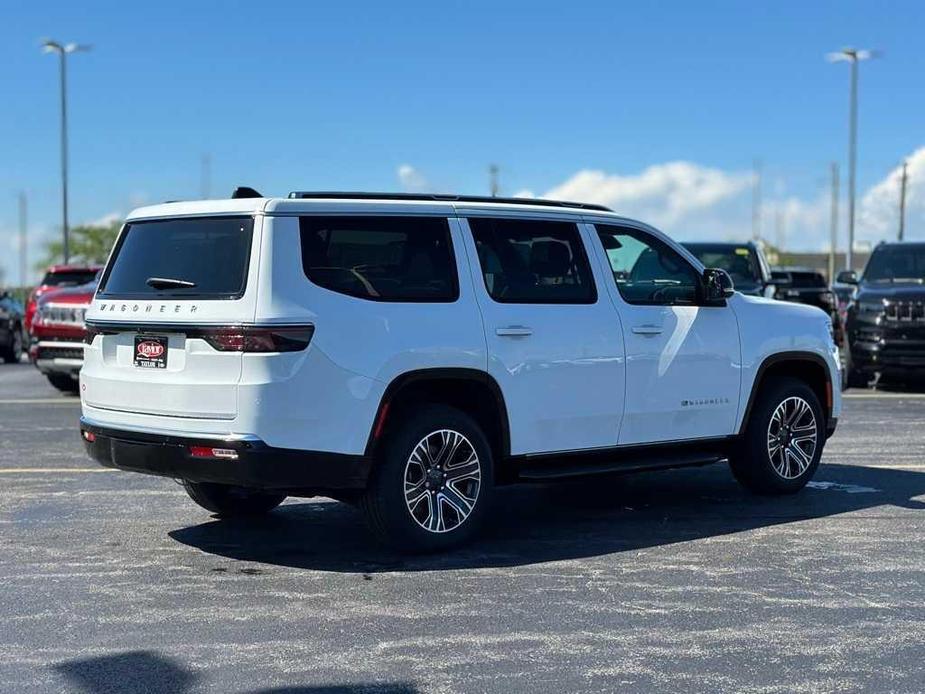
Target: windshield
[(896, 264), (68, 278), (739, 261), (192, 258)]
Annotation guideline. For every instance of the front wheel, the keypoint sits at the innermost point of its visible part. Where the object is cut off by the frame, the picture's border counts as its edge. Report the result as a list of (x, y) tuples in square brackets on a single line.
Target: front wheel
[(783, 439), (13, 352), (433, 483), (228, 501)]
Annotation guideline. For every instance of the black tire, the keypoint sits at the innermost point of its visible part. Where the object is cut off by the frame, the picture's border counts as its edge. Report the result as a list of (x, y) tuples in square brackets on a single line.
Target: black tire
[(752, 463), (851, 377), (856, 379), (64, 382), (230, 502), (402, 525), (12, 352)]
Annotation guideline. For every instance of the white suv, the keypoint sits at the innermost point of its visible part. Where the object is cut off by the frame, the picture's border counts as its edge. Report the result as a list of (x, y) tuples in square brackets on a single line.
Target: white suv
[(413, 352)]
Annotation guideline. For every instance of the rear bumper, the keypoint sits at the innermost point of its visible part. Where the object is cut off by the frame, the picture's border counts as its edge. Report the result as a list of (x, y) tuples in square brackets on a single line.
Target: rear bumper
[(257, 465)]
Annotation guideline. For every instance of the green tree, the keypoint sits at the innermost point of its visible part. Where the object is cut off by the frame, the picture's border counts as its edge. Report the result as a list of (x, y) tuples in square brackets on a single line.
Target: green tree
[(89, 244)]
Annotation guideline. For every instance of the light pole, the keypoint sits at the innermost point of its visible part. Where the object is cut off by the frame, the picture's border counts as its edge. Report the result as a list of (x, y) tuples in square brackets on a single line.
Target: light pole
[(853, 56), (62, 49)]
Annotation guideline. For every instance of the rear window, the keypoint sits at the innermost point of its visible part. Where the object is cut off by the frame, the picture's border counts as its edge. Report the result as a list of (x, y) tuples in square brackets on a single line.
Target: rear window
[(380, 258), (68, 278), (181, 258)]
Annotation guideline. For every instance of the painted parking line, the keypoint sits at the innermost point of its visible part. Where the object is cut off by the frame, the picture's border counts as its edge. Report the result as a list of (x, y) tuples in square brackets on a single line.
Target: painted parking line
[(879, 395), (39, 401), (41, 470)]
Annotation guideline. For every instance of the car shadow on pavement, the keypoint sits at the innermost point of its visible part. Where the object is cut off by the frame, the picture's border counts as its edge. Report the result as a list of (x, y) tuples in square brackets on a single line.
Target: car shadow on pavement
[(149, 671), (539, 523)]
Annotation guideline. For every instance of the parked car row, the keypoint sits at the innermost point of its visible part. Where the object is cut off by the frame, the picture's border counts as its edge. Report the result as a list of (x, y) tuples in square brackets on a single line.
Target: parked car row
[(51, 325), (876, 316), (885, 317)]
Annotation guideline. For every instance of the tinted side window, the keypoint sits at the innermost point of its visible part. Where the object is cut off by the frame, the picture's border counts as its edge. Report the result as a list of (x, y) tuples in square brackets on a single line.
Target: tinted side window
[(647, 271), (380, 258), (533, 262)]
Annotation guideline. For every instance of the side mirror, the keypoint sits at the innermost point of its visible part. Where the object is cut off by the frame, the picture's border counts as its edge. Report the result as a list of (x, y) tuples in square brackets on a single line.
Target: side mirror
[(718, 285), (847, 277)]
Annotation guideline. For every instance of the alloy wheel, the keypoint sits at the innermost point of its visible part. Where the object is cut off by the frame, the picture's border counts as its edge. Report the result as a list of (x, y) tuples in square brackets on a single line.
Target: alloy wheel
[(442, 479), (792, 437)]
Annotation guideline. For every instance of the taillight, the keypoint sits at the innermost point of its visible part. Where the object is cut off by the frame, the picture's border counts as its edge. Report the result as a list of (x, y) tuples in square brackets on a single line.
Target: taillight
[(209, 452), (259, 339)]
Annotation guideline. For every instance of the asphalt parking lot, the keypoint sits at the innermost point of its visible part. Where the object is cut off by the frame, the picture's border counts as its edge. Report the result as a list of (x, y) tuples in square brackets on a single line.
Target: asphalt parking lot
[(673, 581)]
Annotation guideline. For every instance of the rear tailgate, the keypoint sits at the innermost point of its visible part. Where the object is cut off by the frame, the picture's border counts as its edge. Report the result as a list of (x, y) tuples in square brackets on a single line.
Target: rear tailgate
[(158, 326)]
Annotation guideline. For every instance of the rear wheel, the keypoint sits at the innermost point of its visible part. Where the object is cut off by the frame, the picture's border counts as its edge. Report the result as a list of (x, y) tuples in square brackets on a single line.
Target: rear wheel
[(229, 501), (433, 483), (852, 378), (783, 440), (13, 352), (63, 382)]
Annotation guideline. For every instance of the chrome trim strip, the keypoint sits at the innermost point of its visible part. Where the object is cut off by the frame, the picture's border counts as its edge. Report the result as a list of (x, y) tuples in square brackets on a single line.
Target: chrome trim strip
[(169, 432)]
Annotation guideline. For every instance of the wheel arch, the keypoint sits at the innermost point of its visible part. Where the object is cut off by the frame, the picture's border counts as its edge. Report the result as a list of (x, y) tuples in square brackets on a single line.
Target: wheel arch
[(807, 366), (472, 391)]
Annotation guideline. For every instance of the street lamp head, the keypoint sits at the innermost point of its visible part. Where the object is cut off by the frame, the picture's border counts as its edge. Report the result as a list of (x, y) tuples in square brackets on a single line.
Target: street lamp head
[(852, 55), (49, 46)]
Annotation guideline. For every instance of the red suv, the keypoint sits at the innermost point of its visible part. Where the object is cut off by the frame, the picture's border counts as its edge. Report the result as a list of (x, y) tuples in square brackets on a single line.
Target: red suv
[(58, 276), (58, 333)]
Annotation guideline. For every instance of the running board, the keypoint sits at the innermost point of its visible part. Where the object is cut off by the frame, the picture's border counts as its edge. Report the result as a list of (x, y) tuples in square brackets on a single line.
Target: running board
[(552, 467)]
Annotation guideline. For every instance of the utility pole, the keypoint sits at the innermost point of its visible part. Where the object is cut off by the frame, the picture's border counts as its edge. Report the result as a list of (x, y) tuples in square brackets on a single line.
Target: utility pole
[(780, 231), (833, 224), (902, 201), (23, 247), (853, 56), (63, 50), (205, 176), (756, 200), (493, 184)]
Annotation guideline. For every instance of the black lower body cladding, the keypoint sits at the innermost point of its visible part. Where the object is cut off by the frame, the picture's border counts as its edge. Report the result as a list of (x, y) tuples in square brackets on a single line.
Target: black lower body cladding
[(253, 463)]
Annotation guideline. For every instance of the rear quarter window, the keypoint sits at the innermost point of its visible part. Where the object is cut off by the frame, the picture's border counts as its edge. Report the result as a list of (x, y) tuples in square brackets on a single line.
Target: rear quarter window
[(406, 259), (207, 256)]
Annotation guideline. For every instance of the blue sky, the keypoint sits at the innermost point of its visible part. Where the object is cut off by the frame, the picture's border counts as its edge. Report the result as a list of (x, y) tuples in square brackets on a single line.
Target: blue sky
[(597, 100)]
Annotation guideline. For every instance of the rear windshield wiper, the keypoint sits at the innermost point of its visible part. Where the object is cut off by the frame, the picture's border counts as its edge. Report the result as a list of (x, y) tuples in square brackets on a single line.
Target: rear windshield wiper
[(168, 283)]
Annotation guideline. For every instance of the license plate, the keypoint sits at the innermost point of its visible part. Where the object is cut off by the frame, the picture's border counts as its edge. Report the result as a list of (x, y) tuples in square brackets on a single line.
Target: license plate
[(151, 351)]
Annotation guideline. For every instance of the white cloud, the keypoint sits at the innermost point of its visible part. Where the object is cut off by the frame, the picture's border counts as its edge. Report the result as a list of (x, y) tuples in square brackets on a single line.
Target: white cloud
[(878, 210), (412, 181), (690, 201), (662, 194), (106, 219)]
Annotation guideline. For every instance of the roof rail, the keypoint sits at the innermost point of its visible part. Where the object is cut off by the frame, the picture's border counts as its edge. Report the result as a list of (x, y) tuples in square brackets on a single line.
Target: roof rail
[(437, 197)]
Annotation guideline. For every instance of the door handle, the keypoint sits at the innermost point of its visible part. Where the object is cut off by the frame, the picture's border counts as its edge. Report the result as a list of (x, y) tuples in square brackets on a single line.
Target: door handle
[(514, 331), (648, 329)]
